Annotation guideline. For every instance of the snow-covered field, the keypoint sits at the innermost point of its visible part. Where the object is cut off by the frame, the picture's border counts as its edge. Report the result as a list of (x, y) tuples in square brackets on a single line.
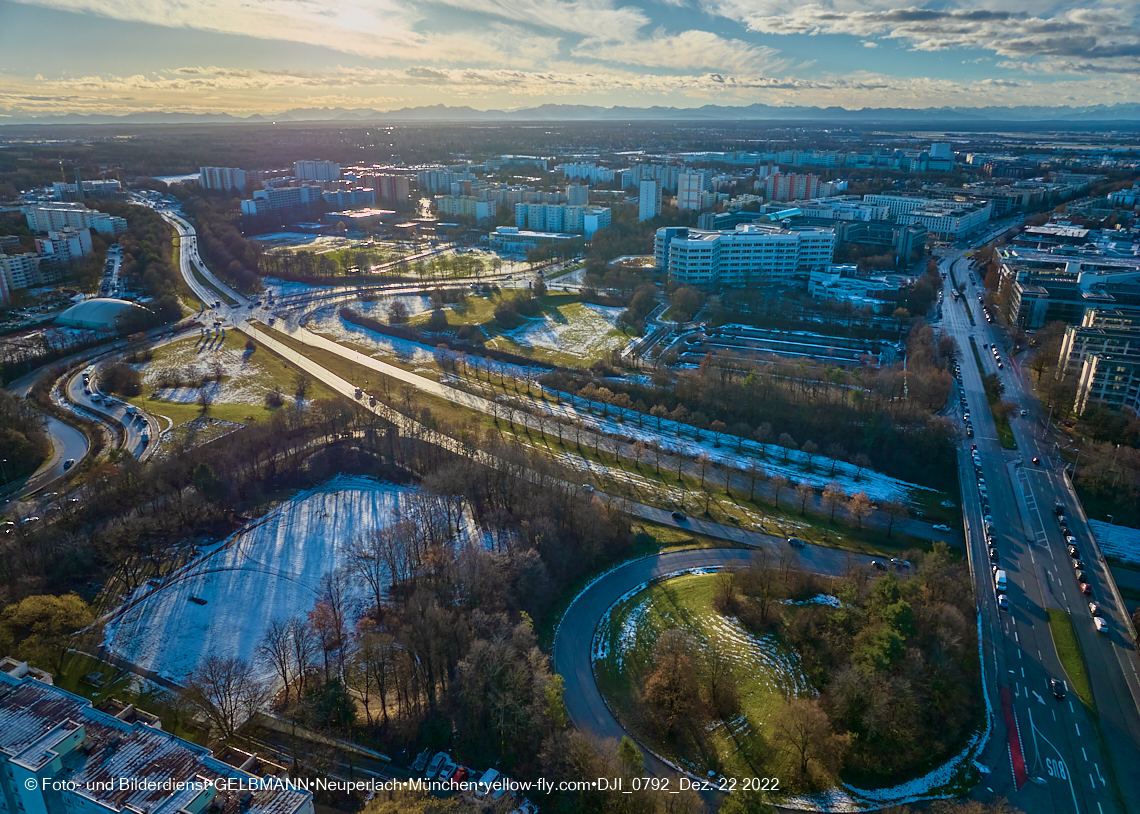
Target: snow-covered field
[(1121, 542), (578, 329), (269, 570), (328, 322), (244, 381)]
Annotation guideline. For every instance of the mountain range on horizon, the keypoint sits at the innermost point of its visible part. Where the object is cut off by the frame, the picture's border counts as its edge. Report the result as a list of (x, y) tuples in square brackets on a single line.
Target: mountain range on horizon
[(1099, 114)]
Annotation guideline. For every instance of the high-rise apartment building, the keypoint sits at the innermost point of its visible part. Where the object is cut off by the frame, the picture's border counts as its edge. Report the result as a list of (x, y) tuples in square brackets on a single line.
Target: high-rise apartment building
[(691, 186), (649, 200), (316, 170), (222, 178), (577, 195), (46, 217), (65, 246), (791, 186)]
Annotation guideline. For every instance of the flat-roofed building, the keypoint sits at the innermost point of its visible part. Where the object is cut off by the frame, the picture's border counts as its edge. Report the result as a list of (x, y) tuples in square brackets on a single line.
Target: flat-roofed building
[(59, 755), (752, 254)]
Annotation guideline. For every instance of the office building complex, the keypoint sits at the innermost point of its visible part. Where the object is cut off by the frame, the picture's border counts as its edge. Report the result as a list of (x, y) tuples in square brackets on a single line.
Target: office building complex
[(751, 254), (59, 754), (512, 240), (316, 170), (1065, 281), (48, 217), (649, 200), (222, 178), (349, 198)]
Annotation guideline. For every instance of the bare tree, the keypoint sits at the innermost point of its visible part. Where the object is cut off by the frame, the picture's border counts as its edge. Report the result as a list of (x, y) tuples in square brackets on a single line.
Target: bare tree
[(704, 463), (304, 642), (275, 650), (859, 507), (778, 484), (225, 691), (833, 497), (895, 511), (754, 473), (366, 564), (804, 494), (809, 449), (861, 461)]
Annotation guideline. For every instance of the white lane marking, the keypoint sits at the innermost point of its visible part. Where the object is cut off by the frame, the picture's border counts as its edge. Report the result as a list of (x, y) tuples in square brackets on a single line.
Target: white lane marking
[(1064, 597), (1085, 756), (1023, 672), (1091, 781), (1039, 653), (1098, 774), (1071, 707), (1054, 715), (1019, 652), (1016, 638), (1078, 727)]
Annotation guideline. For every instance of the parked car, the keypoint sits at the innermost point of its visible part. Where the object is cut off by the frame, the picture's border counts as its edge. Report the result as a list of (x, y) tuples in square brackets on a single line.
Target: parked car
[(420, 763), (878, 565), (942, 527), (484, 788), (1003, 602), (447, 769), (436, 764)]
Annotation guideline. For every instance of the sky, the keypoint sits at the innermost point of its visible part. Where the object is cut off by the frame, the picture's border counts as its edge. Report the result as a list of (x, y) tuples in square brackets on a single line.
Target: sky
[(268, 56)]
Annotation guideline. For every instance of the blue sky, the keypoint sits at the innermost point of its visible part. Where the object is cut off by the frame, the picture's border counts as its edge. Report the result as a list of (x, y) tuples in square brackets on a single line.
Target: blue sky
[(266, 56)]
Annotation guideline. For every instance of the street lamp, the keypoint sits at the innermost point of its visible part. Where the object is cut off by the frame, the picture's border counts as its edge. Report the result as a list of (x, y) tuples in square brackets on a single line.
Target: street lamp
[(1110, 520), (1049, 419)]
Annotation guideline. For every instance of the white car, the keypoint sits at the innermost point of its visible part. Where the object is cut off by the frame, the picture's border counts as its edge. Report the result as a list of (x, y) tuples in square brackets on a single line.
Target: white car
[(1101, 625), (942, 527)]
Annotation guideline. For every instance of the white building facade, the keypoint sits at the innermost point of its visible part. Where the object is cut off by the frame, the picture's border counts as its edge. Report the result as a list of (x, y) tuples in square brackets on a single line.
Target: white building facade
[(751, 254)]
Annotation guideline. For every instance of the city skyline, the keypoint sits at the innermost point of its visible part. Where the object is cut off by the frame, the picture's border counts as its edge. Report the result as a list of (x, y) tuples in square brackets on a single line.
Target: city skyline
[(205, 56)]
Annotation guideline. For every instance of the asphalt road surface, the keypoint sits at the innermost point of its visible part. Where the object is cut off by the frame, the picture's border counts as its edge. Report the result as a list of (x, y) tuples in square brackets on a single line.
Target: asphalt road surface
[(1046, 755)]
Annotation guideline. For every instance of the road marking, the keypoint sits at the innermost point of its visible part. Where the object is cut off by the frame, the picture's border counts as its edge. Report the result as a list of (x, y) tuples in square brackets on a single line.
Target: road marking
[(1078, 727), (1098, 774), (1019, 652), (1016, 638), (1023, 672), (1071, 708), (1054, 715), (1091, 781), (1086, 757)]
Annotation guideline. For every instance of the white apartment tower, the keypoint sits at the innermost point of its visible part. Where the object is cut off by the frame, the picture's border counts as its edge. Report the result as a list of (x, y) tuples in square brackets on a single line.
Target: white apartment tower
[(316, 170), (649, 200)]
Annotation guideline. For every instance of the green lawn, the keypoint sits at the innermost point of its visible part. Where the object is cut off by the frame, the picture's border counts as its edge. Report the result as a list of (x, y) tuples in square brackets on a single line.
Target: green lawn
[(265, 370), (116, 684), (1070, 654), (765, 671)]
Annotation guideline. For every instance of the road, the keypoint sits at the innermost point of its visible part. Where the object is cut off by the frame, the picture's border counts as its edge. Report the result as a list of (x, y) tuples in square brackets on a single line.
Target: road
[(1057, 739), (573, 642)]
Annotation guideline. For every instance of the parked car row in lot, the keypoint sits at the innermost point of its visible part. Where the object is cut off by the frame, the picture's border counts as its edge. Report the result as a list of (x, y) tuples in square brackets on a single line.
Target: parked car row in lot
[(488, 786)]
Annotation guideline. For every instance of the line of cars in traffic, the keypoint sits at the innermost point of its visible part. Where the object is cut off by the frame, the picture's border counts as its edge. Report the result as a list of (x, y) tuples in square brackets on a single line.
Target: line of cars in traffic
[(489, 786), (1079, 569), (962, 400)]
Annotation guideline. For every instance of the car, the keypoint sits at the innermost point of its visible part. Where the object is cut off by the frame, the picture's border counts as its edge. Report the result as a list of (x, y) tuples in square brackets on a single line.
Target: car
[(1094, 608), (969, 432), (679, 517), (1101, 625), (1086, 589), (484, 787), (421, 760), (1074, 552), (1078, 565), (973, 447), (993, 554), (460, 774), (942, 527), (795, 542), (70, 462), (1057, 688), (447, 769), (1024, 413), (1080, 575), (1058, 508), (878, 565), (31, 518), (436, 764), (1036, 460), (1001, 366), (1003, 602), (587, 487)]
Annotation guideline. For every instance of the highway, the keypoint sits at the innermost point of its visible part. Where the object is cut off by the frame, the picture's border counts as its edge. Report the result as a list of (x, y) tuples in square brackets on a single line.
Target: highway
[(1046, 755)]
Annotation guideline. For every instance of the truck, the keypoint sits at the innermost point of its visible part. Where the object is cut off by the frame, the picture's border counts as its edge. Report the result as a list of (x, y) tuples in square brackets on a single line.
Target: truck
[(1000, 583)]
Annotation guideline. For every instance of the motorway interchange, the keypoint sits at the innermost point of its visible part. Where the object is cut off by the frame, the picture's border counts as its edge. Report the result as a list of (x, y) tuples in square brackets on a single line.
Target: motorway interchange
[(1046, 753)]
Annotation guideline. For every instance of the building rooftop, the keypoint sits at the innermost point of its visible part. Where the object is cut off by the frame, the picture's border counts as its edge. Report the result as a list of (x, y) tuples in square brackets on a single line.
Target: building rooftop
[(40, 724)]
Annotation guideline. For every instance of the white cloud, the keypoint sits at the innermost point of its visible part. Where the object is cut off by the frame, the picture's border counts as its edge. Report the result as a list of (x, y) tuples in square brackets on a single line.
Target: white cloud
[(599, 19), (1082, 40), (869, 44), (690, 50)]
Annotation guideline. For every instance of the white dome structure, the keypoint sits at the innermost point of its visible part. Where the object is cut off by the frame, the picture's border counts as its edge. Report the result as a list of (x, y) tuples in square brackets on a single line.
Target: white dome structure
[(100, 314)]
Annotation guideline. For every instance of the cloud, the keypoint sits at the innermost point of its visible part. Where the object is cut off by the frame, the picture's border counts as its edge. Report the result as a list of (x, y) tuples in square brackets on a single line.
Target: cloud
[(869, 44), (1083, 40), (686, 51), (599, 19)]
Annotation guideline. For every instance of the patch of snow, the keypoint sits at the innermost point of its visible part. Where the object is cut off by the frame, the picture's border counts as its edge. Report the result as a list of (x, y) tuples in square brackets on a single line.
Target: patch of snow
[(244, 380), (1122, 542), (581, 329), (269, 570)]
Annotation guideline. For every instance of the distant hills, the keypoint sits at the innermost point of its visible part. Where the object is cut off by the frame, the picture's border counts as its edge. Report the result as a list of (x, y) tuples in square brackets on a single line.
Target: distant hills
[(1126, 114)]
